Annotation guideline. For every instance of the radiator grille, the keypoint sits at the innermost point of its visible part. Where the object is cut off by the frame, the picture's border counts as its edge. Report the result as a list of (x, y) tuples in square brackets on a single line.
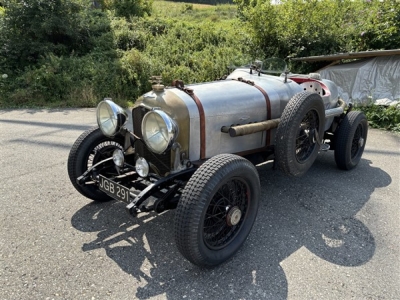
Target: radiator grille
[(161, 161)]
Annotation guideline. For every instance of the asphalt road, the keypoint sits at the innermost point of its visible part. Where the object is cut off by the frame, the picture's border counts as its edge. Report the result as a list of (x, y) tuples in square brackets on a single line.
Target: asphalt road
[(328, 235)]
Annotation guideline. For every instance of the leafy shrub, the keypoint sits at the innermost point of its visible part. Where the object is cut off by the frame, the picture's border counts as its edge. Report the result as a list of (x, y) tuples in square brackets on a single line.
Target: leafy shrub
[(127, 37), (68, 53), (129, 8), (187, 7), (136, 33), (382, 117), (35, 28), (194, 52), (134, 77), (80, 80)]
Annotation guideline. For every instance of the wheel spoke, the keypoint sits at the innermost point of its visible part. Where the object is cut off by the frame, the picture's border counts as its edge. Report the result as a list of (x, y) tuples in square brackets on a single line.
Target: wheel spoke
[(304, 144), (217, 232), (215, 215), (355, 144)]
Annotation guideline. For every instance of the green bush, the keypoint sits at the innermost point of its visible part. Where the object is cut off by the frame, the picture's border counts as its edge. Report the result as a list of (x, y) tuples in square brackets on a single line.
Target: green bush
[(82, 81), (129, 8), (122, 61), (195, 52), (35, 28), (382, 117), (136, 33)]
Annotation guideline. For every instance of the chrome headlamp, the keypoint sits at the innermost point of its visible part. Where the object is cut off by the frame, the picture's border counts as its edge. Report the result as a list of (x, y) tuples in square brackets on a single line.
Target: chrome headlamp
[(118, 158), (110, 117), (159, 131), (142, 167)]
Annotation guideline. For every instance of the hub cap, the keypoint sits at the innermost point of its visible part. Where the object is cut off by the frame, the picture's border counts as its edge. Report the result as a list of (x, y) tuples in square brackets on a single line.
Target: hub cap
[(361, 142), (233, 216)]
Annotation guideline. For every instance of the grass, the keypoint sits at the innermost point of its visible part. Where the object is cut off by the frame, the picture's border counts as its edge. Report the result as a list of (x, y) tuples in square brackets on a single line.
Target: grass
[(195, 13)]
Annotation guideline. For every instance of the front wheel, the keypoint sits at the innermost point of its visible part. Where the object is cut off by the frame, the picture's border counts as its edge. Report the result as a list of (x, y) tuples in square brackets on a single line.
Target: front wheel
[(351, 137), (90, 148), (217, 210)]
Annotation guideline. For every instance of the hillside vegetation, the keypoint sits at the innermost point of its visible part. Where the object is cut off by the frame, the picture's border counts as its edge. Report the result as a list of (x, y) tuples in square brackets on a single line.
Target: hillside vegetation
[(59, 53)]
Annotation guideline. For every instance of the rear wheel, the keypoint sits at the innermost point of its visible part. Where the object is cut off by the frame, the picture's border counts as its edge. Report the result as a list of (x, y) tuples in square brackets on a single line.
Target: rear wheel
[(217, 210), (302, 122), (90, 148), (351, 137)]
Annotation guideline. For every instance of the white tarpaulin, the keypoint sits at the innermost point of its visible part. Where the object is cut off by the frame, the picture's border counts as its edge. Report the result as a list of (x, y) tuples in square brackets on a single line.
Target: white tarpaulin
[(368, 79)]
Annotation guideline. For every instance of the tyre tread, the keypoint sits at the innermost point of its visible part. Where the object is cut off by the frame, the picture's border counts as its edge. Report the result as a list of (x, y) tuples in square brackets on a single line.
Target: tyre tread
[(84, 141), (193, 200), (345, 132), (286, 134)]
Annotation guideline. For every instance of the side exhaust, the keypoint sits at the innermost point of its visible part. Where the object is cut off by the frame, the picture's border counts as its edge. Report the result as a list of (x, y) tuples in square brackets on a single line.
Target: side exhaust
[(246, 129)]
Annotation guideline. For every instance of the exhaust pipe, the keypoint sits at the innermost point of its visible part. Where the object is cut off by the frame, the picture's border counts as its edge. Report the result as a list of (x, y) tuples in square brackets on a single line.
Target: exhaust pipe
[(246, 129), (333, 112), (240, 130)]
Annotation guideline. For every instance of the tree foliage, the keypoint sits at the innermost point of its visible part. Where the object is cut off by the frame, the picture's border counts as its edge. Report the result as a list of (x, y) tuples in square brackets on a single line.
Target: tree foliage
[(35, 28), (320, 27)]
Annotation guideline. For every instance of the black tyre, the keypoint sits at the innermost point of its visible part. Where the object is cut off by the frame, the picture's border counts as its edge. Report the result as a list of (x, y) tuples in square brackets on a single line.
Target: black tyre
[(217, 210), (90, 148), (350, 139), (296, 144)]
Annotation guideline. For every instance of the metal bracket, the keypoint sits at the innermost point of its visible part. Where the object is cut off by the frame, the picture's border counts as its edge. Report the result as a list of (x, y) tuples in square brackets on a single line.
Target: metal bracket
[(133, 207), (83, 177)]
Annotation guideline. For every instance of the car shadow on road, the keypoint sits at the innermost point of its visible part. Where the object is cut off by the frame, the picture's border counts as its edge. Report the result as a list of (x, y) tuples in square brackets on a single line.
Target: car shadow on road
[(60, 126), (317, 211)]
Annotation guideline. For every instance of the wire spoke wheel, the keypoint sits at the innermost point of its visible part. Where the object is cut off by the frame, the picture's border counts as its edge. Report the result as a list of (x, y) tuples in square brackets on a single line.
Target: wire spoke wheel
[(302, 123), (350, 139), (305, 141), (217, 210), (358, 141), (225, 214)]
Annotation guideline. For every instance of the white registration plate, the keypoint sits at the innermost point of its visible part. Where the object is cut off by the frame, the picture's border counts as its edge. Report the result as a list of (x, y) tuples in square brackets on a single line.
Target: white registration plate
[(114, 189)]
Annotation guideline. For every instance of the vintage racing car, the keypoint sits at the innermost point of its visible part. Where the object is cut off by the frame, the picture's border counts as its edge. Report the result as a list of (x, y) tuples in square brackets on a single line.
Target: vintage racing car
[(193, 148)]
